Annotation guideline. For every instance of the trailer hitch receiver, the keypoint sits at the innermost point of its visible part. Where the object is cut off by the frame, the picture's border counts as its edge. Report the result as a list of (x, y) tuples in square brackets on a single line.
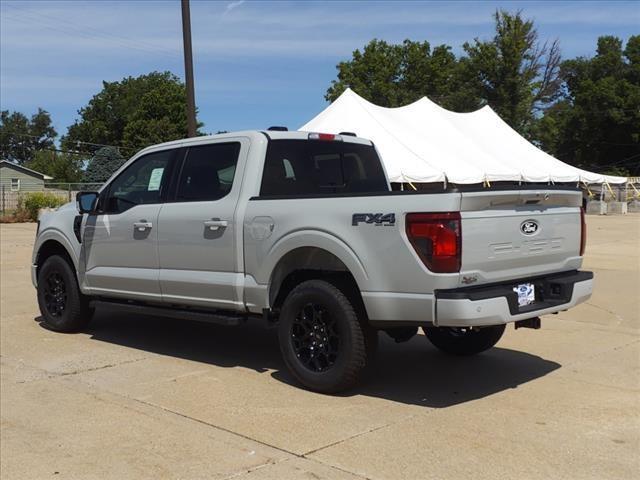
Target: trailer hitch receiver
[(529, 323)]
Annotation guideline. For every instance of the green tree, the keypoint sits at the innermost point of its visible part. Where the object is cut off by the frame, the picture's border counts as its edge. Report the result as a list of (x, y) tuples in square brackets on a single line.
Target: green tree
[(21, 137), (513, 72), (102, 165), (63, 167), (132, 113), (596, 125), (394, 75)]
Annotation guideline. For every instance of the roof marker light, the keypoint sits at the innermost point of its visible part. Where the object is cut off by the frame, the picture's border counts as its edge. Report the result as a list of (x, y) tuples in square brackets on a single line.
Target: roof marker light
[(325, 137)]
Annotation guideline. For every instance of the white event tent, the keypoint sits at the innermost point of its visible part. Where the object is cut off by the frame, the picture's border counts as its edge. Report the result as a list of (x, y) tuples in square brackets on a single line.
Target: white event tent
[(423, 143)]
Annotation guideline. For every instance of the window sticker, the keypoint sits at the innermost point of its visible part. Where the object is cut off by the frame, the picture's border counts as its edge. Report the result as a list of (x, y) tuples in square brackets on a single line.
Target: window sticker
[(154, 179)]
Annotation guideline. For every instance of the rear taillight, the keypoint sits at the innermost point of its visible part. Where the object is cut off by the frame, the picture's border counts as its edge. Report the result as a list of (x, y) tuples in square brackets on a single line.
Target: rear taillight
[(436, 238), (583, 232)]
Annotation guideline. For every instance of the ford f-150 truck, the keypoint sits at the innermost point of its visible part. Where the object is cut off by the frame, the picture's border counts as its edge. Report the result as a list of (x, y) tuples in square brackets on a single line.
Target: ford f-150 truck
[(303, 230)]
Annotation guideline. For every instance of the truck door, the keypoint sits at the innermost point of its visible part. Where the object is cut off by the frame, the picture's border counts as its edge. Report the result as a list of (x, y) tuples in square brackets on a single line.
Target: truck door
[(199, 238), (119, 254)]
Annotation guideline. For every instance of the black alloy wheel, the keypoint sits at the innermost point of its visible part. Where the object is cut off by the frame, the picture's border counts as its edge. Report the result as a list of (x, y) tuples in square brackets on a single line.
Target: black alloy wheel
[(315, 338), (325, 343), (55, 294), (63, 306)]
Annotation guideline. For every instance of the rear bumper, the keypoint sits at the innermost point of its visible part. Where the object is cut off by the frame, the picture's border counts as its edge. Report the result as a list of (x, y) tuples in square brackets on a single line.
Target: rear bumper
[(498, 304)]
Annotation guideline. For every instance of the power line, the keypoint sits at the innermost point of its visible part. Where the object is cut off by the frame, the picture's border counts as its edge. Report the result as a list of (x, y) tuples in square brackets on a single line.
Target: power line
[(126, 42), (77, 141), (92, 32), (100, 32)]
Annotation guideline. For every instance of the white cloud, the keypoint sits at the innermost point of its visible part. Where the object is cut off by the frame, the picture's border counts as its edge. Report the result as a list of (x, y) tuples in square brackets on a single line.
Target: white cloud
[(233, 5), (57, 53)]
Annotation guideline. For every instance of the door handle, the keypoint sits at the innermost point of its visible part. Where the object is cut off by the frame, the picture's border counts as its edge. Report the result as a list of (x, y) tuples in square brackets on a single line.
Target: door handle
[(142, 225), (215, 224)]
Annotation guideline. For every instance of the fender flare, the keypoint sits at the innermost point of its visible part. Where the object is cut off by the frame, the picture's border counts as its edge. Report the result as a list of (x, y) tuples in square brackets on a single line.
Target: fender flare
[(314, 239), (53, 234)]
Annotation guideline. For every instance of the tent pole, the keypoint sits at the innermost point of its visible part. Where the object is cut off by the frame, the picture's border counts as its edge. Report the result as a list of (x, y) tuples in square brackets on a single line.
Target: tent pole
[(626, 191)]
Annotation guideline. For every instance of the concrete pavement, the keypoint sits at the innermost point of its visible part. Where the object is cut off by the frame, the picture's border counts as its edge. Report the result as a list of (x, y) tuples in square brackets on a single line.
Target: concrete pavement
[(138, 397)]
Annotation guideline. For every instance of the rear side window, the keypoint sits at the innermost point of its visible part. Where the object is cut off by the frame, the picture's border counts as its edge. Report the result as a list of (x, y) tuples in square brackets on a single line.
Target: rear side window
[(207, 172), (307, 167)]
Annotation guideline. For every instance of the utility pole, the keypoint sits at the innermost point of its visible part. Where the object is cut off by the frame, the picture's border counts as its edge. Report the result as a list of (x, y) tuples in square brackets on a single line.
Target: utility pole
[(188, 69)]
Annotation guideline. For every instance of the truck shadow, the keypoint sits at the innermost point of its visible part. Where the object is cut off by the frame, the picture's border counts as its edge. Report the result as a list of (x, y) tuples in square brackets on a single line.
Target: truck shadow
[(413, 372)]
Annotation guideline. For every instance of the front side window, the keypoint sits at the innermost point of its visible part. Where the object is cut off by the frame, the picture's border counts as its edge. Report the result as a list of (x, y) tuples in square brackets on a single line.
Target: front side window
[(207, 172), (307, 167), (140, 183), (15, 184)]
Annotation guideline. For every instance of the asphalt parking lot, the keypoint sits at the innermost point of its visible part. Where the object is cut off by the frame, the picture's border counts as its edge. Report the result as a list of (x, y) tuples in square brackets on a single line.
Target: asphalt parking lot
[(139, 397)]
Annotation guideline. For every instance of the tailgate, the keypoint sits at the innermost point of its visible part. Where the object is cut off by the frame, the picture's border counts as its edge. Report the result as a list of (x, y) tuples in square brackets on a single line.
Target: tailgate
[(518, 234)]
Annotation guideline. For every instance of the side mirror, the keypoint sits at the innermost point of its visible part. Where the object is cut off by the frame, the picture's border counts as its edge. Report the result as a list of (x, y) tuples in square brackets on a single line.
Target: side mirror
[(87, 201)]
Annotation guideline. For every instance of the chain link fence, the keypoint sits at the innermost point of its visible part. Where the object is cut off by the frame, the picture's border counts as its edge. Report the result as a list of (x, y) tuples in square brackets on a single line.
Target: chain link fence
[(10, 194), (66, 192)]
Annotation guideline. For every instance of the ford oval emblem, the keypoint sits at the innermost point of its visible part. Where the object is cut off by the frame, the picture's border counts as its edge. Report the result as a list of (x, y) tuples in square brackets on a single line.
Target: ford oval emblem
[(529, 227)]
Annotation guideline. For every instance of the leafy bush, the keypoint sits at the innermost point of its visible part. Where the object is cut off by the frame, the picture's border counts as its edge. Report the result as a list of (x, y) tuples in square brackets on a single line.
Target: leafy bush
[(17, 216), (33, 202)]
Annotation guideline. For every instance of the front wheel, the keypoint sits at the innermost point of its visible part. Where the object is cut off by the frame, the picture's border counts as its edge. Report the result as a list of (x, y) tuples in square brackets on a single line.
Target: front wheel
[(63, 307), (464, 341), (323, 342)]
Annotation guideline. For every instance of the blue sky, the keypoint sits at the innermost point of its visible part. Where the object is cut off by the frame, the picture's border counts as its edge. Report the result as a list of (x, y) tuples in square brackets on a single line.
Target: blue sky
[(256, 63)]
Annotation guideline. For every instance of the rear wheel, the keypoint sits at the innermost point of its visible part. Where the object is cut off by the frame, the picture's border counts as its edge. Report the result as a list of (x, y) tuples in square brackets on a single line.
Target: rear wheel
[(464, 341), (323, 342), (62, 305)]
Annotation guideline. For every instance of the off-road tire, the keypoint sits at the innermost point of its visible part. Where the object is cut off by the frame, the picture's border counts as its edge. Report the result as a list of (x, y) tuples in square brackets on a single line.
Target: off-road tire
[(333, 307), (459, 341), (63, 307)]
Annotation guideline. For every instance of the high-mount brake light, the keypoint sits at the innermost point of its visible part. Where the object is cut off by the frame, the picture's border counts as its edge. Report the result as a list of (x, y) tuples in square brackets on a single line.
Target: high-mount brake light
[(325, 137), (437, 239), (583, 232)]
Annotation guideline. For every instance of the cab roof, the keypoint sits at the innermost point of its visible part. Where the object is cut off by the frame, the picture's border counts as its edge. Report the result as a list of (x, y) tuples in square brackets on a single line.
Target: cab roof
[(270, 134)]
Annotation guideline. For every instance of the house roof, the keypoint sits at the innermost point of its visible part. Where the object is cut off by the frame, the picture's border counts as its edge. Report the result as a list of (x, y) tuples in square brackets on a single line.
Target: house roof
[(26, 170)]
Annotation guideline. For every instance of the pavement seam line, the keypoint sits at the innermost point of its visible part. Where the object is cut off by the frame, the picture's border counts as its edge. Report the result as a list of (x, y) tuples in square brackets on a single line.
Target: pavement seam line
[(611, 312), (340, 469), (248, 471), (203, 422), (93, 369), (359, 434), (260, 442), (604, 352), (79, 382), (52, 375), (47, 374)]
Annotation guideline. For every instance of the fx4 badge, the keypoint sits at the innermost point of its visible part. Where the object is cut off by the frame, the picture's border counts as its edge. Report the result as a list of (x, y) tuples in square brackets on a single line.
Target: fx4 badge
[(378, 219)]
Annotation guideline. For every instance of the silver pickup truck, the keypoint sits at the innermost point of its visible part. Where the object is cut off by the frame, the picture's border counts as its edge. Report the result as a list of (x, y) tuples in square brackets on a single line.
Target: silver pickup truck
[(303, 230)]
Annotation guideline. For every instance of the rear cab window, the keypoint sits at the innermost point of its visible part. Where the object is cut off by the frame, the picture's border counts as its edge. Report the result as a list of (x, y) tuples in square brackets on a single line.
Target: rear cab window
[(207, 172), (309, 167)]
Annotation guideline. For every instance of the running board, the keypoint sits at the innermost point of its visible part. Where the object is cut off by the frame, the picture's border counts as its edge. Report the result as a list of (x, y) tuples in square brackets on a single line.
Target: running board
[(217, 317)]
